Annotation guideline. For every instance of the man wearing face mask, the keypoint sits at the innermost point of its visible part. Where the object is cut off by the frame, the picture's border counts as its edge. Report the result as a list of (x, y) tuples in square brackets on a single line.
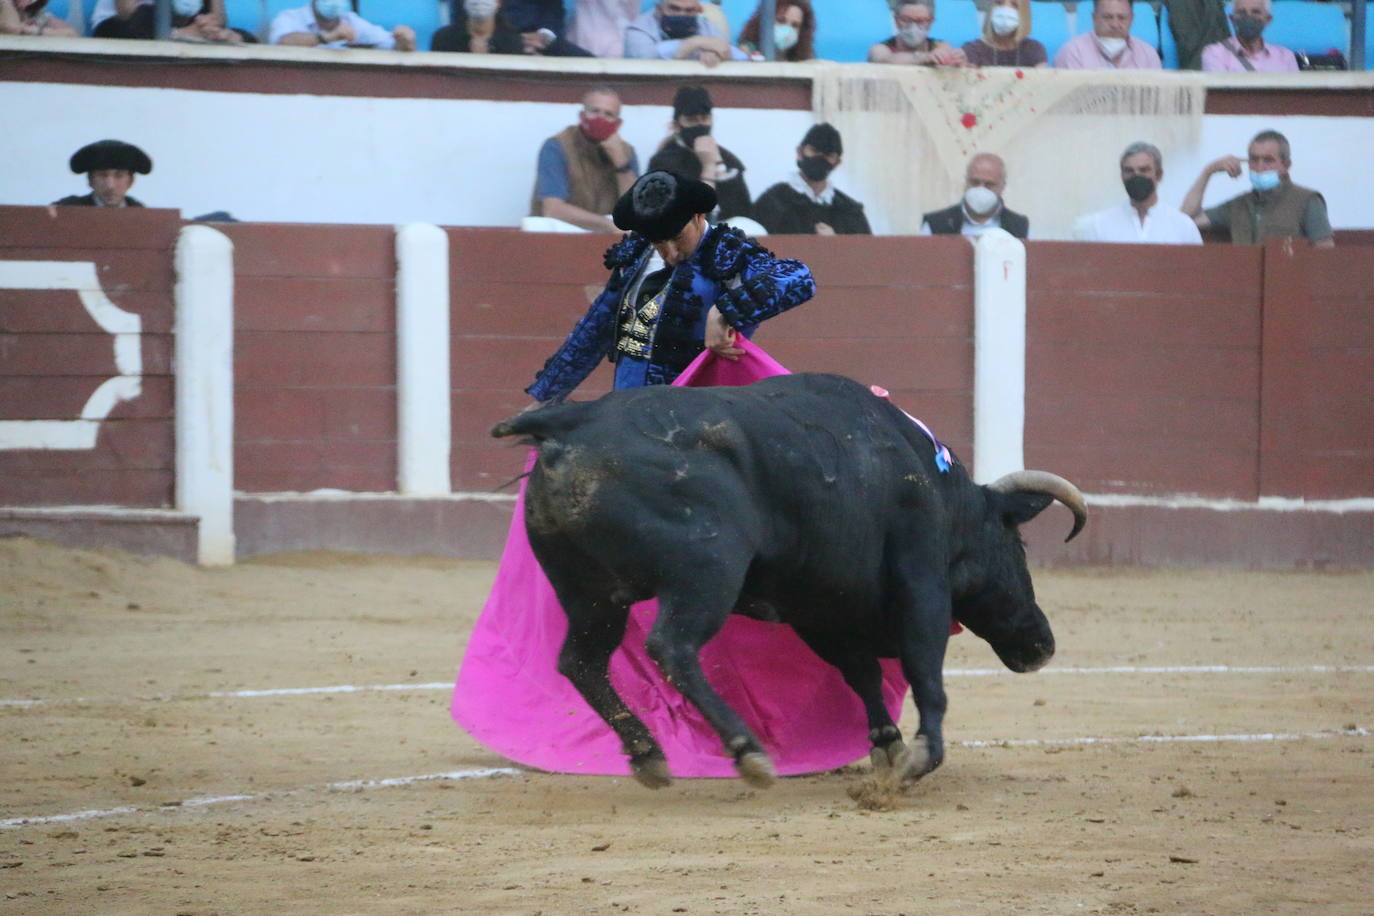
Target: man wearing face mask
[(1275, 207), (333, 24), (583, 169), (691, 150), (1248, 52), (807, 203), (1140, 219), (109, 166), (912, 43), (981, 209), (678, 285), (677, 30), (1110, 44)]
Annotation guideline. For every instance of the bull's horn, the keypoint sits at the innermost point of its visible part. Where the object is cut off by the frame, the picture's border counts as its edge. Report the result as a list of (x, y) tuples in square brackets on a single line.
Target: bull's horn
[(1050, 485)]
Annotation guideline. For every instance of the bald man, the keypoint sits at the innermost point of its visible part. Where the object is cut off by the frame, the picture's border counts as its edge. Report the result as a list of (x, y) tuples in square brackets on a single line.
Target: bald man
[(982, 208)]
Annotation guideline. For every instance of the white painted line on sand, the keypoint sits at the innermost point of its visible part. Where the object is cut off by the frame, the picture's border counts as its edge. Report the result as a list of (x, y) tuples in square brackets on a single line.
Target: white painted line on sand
[(363, 784), (1170, 739), (448, 685), (205, 801)]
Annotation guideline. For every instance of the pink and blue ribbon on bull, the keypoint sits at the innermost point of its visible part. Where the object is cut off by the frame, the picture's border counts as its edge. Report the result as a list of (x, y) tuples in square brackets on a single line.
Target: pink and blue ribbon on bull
[(942, 455)]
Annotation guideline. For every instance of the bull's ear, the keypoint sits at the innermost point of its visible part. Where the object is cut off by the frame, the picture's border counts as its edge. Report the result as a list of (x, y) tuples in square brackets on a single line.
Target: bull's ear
[(1019, 508)]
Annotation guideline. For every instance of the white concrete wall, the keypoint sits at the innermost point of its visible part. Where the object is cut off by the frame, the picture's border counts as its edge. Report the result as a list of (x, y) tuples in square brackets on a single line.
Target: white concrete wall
[(300, 158)]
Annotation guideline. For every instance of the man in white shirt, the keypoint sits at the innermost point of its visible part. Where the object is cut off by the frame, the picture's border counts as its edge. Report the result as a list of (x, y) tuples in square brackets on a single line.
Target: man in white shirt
[(1140, 219), (333, 24), (677, 30)]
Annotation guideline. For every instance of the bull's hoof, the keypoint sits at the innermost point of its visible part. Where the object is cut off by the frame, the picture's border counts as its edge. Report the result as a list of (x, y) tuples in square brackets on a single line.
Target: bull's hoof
[(918, 761), (756, 768), (652, 772), (888, 757)]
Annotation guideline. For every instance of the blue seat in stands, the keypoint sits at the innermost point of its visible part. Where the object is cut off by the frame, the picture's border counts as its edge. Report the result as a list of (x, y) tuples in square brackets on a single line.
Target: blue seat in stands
[(846, 30), (957, 22), (1168, 47), (1312, 27), (246, 15), (1050, 25)]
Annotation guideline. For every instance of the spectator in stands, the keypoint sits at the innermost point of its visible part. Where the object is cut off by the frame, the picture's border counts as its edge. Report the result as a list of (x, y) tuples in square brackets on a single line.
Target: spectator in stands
[(1110, 44), (794, 32), (584, 168), (1274, 208), (1194, 25), (677, 30), (807, 203), (28, 17), (912, 44), (1140, 219), (1247, 51), (333, 24), (1006, 40), (192, 20), (599, 25), (982, 209), (109, 166), (691, 150), (515, 27)]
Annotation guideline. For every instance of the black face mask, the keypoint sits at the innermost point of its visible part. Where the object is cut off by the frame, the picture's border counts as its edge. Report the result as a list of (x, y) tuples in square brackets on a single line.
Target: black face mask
[(1248, 28), (814, 168), (678, 26), (1139, 187), (689, 134)]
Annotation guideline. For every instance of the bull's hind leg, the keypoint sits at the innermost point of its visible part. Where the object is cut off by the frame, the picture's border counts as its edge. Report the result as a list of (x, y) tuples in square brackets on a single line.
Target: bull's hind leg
[(685, 623), (595, 630), (863, 674)]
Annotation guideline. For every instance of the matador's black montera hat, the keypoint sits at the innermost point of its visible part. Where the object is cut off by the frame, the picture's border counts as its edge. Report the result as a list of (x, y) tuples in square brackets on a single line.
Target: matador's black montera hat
[(660, 203), (111, 154)]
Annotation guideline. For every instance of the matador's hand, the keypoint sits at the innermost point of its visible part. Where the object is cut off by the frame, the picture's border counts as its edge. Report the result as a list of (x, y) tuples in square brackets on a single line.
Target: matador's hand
[(720, 337)]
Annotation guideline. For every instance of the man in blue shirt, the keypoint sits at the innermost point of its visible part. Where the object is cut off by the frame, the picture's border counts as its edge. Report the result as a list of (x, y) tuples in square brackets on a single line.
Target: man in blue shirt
[(584, 168)]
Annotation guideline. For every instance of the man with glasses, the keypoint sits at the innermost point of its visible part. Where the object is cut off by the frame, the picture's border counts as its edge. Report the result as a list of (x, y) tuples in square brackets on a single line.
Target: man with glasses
[(677, 30), (584, 168), (1248, 52)]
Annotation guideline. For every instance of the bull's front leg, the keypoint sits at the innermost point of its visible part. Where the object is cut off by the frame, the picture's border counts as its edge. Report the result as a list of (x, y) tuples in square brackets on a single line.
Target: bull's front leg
[(925, 619), (864, 675)]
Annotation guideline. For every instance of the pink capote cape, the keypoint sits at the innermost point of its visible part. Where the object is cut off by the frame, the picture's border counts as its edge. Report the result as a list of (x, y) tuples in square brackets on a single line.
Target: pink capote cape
[(510, 697)]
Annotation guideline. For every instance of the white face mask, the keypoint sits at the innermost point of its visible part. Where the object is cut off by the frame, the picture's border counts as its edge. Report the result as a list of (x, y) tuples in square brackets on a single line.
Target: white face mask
[(980, 201), (186, 7), (913, 35), (784, 36), (480, 9), (1111, 47), (1005, 20)]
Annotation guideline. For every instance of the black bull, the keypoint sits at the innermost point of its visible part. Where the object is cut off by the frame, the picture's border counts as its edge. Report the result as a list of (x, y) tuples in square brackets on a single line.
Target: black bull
[(801, 498)]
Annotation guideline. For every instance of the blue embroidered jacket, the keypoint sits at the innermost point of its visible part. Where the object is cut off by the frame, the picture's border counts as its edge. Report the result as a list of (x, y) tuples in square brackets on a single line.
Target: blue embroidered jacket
[(766, 286)]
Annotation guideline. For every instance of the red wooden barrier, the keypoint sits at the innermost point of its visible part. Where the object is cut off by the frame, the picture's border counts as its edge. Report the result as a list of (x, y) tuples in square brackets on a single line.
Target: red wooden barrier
[(55, 356)]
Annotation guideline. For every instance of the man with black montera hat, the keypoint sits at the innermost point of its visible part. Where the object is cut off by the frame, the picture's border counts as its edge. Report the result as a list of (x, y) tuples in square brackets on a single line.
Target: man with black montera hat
[(109, 166), (808, 203), (677, 286)]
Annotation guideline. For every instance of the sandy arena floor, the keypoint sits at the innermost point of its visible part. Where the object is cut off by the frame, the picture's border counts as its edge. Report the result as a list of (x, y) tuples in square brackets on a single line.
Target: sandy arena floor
[(198, 803)]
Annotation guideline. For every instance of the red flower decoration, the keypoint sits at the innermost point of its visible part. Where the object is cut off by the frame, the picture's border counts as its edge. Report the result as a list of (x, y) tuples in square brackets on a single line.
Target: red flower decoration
[(1020, 75), (969, 120)]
